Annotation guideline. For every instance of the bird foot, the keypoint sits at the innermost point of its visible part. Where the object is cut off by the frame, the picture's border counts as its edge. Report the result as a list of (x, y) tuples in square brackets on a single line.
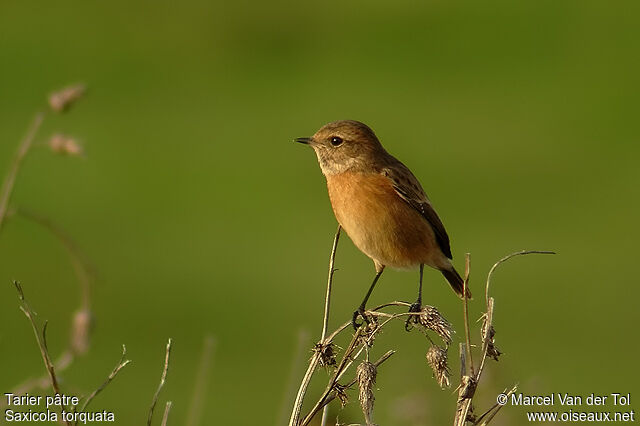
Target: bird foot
[(359, 313), (414, 308)]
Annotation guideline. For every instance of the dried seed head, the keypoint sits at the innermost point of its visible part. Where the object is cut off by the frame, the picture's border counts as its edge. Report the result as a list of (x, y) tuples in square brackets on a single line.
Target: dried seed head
[(492, 349), (369, 331), (62, 144), (62, 100), (341, 394), (366, 375), (81, 331), (437, 359), (327, 354), (430, 318)]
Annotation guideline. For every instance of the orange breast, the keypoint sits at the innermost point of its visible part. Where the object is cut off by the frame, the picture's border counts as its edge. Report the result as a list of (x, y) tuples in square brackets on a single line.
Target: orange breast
[(380, 223)]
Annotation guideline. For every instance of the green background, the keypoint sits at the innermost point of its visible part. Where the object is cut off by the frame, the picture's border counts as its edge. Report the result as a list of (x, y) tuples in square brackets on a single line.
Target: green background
[(201, 216)]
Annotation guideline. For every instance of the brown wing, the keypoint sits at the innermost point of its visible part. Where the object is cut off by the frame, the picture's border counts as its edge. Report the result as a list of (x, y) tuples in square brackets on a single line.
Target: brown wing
[(409, 189)]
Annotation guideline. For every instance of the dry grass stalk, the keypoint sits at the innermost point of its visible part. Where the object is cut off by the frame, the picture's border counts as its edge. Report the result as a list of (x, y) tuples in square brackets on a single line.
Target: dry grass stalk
[(80, 330), (82, 319), (42, 342), (14, 168), (469, 379), (323, 353), (485, 418), (165, 416), (121, 364), (163, 379), (328, 355)]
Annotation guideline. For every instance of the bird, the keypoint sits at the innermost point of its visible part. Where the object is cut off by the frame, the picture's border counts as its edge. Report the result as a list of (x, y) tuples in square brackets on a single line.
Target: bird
[(381, 206)]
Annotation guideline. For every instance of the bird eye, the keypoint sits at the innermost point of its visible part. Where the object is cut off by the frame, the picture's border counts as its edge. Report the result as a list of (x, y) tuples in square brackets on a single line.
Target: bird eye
[(336, 141)]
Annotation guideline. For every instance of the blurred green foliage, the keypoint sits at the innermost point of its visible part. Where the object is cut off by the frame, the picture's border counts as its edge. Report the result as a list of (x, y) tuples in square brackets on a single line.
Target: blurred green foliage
[(201, 216)]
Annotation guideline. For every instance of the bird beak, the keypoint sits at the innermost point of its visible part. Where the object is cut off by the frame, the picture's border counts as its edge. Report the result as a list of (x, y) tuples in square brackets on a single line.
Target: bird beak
[(305, 141)]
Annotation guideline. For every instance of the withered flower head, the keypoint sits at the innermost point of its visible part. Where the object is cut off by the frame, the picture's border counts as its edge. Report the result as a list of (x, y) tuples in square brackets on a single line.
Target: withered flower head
[(437, 359), (67, 145), (62, 100), (430, 318), (341, 394), (366, 375), (327, 354)]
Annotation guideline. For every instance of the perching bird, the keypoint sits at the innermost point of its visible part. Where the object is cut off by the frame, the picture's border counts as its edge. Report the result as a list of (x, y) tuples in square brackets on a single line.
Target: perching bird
[(381, 205)]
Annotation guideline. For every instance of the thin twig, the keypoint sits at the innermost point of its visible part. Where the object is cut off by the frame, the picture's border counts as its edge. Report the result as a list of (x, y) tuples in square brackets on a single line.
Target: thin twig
[(194, 416), (162, 381), (10, 179)]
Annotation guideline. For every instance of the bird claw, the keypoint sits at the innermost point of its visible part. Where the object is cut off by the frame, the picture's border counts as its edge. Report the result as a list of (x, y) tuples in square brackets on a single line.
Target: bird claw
[(362, 313), (415, 307)]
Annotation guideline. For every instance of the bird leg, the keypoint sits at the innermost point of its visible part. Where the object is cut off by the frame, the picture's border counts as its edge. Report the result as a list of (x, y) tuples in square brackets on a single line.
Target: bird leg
[(417, 306), (361, 309)]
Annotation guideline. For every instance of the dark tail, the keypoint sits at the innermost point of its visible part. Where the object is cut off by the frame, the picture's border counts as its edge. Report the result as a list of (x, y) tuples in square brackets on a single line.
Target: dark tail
[(456, 281)]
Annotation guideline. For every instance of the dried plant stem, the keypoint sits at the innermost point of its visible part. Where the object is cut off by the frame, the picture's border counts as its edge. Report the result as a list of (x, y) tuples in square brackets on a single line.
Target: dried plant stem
[(327, 299), (469, 380), (42, 341), (352, 382), (297, 405), (345, 363), (121, 364), (10, 179), (163, 379), (313, 364), (194, 415), (488, 318), (165, 416), (491, 412), (465, 309), (78, 261), (327, 303), (360, 341), (302, 342), (61, 364), (504, 259)]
